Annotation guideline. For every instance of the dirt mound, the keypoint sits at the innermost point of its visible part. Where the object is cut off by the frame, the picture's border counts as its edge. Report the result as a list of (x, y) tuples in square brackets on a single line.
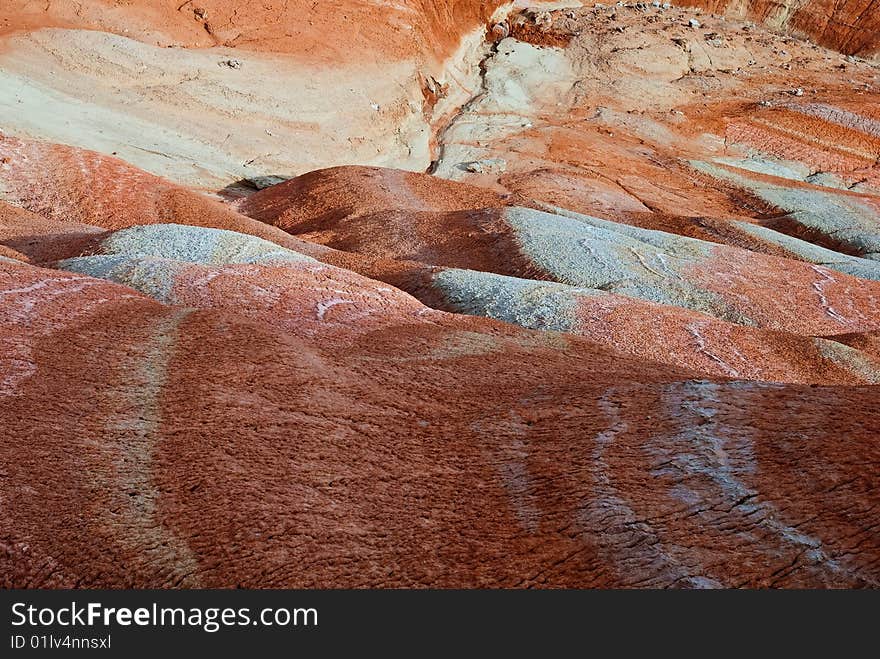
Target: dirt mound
[(71, 187), (321, 198)]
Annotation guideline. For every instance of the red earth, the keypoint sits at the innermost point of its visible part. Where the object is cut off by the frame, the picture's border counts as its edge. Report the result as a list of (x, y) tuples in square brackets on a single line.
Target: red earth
[(618, 330)]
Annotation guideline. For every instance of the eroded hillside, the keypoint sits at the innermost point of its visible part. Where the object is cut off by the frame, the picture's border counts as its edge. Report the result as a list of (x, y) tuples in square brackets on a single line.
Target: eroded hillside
[(439, 294)]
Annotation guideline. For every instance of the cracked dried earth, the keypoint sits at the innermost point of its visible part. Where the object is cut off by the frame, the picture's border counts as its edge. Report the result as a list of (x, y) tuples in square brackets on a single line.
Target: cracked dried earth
[(439, 294)]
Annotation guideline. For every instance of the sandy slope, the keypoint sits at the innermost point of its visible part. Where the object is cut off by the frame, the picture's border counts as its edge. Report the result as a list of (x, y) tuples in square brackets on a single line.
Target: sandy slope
[(624, 334)]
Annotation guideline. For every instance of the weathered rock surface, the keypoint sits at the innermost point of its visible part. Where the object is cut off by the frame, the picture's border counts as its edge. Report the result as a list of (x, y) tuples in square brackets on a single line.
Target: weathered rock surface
[(619, 328), (210, 268), (850, 26), (445, 466), (730, 283), (68, 185), (298, 27), (156, 76)]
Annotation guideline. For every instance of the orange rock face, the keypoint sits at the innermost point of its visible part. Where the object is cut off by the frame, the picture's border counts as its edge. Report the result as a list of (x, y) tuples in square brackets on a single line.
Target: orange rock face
[(329, 31), (578, 297), (850, 26)]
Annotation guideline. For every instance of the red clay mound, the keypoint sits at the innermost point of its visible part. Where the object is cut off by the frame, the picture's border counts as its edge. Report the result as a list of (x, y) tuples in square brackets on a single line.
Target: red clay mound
[(41, 239), (654, 332), (214, 439), (866, 342), (321, 198), (69, 185), (733, 284), (9, 253), (206, 268)]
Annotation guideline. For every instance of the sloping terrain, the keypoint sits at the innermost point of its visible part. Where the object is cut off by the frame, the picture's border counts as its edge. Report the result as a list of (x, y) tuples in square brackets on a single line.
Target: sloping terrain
[(214, 92), (850, 26), (439, 294)]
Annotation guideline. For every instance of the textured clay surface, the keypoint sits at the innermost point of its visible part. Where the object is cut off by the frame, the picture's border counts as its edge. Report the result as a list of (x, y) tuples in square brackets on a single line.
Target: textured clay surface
[(451, 294)]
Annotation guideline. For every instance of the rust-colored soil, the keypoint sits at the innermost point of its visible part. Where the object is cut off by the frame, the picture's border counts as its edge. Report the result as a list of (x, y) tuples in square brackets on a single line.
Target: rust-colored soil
[(619, 328)]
